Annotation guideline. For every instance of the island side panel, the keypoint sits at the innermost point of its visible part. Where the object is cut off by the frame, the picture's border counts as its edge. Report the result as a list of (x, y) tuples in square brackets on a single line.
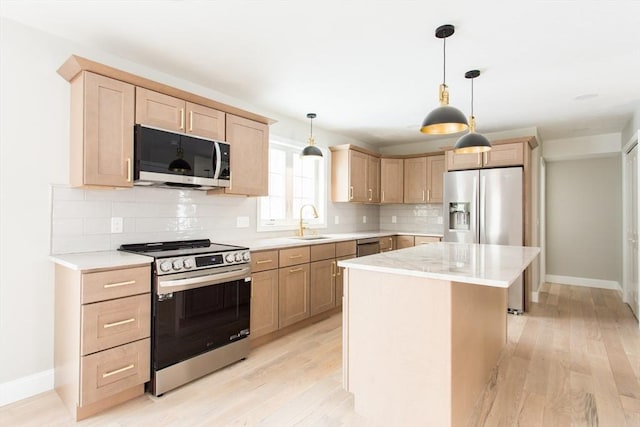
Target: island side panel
[(397, 348), (479, 333)]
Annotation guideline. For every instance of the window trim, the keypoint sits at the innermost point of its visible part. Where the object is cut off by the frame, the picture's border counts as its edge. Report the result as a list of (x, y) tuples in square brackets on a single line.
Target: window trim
[(291, 224)]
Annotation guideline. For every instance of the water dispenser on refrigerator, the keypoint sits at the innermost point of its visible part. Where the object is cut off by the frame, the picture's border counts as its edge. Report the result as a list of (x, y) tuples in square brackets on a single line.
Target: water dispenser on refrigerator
[(459, 215)]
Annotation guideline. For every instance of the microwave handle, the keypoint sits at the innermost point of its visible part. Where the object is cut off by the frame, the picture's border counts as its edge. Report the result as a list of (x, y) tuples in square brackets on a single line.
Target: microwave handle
[(218, 164)]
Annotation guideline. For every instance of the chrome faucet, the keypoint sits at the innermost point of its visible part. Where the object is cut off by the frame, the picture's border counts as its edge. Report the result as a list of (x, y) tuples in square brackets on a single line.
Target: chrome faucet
[(301, 227)]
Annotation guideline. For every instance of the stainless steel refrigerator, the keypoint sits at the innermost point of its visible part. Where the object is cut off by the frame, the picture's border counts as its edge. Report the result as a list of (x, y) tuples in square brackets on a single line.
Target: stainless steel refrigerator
[(485, 206)]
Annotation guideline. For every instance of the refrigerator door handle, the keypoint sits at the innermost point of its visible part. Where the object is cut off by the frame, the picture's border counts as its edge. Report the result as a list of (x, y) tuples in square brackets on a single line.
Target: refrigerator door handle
[(483, 208)]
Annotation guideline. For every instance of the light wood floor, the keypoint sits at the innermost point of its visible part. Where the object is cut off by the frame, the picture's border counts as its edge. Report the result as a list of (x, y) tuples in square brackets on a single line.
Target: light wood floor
[(574, 359)]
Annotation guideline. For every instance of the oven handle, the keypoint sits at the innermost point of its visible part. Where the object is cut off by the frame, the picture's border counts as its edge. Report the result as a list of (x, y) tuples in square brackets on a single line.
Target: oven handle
[(167, 286)]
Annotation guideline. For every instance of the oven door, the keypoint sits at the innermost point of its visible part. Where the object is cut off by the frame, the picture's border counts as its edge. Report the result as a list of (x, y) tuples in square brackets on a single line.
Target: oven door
[(203, 312)]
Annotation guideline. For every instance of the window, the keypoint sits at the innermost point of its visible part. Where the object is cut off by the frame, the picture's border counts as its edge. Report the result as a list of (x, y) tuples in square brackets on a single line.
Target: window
[(293, 182)]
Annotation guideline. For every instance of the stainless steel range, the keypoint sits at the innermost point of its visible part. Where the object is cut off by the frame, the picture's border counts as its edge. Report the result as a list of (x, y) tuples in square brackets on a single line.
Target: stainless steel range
[(200, 309)]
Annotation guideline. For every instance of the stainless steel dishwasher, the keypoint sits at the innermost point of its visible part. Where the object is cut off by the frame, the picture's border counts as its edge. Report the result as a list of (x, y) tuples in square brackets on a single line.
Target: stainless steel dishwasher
[(368, 246)]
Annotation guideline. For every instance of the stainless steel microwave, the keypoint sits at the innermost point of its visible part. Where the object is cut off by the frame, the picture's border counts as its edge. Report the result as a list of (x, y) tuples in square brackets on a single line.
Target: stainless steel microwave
[(168, 159)]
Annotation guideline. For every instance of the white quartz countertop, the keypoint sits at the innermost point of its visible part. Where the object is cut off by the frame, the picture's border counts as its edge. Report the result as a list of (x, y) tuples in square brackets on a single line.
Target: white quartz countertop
[(284, 242), (489, 265), (88, 261)]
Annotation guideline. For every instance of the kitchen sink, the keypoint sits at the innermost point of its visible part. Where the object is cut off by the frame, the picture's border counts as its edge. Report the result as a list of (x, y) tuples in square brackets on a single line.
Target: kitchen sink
[(310, 237)]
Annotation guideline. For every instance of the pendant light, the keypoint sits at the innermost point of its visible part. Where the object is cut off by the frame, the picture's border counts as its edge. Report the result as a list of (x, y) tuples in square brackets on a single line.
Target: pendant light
[(444, 119), (311, 150), (472, 142)]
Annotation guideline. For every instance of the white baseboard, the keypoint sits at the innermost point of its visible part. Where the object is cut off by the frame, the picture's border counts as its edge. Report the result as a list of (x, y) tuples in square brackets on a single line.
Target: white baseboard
[(583, 281), (24, 387)]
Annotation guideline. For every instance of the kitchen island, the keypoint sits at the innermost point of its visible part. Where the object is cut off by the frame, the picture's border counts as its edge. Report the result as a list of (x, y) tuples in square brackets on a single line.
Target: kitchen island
[(423, 327)]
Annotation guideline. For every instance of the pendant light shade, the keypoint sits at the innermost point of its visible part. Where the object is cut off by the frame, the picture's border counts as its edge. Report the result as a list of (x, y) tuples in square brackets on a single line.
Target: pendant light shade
[(445, 119), (472, 142), (311, 150)]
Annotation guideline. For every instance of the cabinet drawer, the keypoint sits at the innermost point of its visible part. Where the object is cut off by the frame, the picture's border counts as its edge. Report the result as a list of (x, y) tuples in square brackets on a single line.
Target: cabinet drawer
[(386, 244), (111, 371), (346, 248), (115, 322), (423, 240), (405, 241), (266, 260), (324, 251), (115, 284), (294, 256)]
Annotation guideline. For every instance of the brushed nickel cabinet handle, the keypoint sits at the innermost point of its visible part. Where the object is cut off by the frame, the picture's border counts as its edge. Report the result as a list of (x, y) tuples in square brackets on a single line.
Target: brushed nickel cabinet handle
[(351, 192), (370, 194), (181, 118), (423, 195), (129, 173), (333, 269), (428, 195), (117, 371), (383, 195), (295, 256), (295, 270), (191, 121), (122, 322), (117, 284), (264, 261)]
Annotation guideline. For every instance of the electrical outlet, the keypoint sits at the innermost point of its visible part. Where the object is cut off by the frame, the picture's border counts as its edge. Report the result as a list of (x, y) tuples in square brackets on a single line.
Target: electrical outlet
[(439, 220), (394, 219), (242, 222), (116, 224), (364, 219), (336, 220)]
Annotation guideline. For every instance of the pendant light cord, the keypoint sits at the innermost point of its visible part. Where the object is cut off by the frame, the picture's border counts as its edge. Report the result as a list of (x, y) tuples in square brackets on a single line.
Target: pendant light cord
[(444, 61), (472, 97)]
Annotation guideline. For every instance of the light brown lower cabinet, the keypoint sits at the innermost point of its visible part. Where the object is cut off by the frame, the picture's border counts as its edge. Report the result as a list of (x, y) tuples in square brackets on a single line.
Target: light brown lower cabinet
[(264, 302), (323, 286), (422, 240), (404, 242), (101, 343), (293, 294), (340, 279), (387, 243)]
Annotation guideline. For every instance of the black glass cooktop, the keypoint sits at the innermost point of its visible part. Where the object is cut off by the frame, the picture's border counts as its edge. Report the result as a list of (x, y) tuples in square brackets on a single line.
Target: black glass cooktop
[(178, 248)]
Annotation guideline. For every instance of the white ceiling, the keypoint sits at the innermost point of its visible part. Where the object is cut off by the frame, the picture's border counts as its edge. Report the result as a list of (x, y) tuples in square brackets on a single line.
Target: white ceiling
[(371, 69)]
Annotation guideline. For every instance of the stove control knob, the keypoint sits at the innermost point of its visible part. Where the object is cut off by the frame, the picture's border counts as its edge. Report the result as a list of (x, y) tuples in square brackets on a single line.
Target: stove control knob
[(189, 263), (246, 257), (229, 257), (165, 266), (238, 257), (177, 264)]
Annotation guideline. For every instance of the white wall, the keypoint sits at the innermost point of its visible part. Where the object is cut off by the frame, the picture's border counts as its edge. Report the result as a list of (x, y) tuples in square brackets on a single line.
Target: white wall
[(34, 135)]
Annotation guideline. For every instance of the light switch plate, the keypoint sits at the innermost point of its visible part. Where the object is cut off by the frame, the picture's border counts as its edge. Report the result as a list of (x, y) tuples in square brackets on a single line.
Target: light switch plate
[(336, 220), (116, 224), (439, 220), (364, 219), (394, 219)]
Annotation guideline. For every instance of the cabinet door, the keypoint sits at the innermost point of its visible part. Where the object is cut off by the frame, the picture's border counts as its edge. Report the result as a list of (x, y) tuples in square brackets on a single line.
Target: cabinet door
[(358, 189), (391, 180), (206, 122), (415, 180), (249, 142), (387, 244), (404, 242), (435, 177), (373, 179), (463, 161), (293, 294), (504, 155), (102, 152), (160, 110), (323, 286), (264, 303)]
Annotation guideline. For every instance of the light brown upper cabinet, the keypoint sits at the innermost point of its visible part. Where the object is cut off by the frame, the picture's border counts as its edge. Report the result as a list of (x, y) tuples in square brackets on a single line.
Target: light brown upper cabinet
[(249, 141), (177, 115), (423, 179), (510, 154), (435, 179), (102, 117), (391, 180), (355, 175)]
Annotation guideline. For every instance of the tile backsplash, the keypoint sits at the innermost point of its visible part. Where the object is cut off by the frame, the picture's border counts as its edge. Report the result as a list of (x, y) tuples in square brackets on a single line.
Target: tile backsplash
[(425, 218), (81, 219)]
